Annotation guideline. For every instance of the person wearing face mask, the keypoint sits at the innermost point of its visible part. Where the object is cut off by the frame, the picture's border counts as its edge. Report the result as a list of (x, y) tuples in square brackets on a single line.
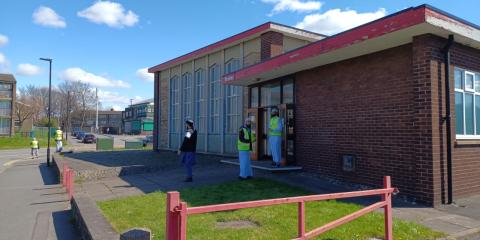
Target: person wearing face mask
[(244, 145), (275, 137), (188, 149)]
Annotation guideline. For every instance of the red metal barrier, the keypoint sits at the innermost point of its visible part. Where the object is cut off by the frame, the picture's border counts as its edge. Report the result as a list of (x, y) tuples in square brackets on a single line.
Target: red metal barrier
[(68, 180), (177, 211)]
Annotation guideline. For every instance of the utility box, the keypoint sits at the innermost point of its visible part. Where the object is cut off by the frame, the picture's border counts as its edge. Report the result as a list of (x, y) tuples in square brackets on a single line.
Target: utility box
[(133, 145), (104, 143)]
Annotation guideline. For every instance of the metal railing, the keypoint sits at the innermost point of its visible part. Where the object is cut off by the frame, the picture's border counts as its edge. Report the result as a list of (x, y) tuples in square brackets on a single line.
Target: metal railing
[(177, 211)]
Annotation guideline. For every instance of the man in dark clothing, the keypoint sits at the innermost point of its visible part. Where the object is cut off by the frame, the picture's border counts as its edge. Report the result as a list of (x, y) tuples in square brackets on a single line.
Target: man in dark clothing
[(188, 149)]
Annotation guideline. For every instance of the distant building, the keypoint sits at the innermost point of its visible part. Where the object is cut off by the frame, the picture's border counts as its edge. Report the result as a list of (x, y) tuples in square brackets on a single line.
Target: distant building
[(108, 121), (138, 118), (7, 99)]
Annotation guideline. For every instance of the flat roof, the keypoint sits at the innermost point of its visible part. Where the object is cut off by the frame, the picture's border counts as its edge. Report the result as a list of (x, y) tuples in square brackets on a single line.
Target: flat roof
[(7, 77), (387, 32), (235, 39)]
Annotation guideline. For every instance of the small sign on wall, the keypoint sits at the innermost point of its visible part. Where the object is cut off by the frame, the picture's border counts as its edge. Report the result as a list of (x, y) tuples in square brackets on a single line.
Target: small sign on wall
[(348, 163)]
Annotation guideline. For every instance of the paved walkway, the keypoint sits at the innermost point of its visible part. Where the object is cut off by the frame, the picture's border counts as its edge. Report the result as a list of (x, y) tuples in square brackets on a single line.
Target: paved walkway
[(457, 222), (32, 205)]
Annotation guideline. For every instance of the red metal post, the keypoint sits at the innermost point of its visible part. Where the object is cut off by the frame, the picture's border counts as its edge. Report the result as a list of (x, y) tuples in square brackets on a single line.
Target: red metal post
[(172, 231), (71, 174), (64, 177), (387, 197), (183, 221), (301, 220)]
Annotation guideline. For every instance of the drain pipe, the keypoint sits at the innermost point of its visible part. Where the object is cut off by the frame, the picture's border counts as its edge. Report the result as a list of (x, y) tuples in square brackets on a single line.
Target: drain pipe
[(448, 118)]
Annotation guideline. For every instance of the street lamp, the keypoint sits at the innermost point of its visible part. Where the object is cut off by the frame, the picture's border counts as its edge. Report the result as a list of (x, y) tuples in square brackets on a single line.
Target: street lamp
[(49, 60)]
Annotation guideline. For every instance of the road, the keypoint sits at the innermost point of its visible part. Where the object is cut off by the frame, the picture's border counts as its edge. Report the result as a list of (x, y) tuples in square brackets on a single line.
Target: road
[(32, 204)]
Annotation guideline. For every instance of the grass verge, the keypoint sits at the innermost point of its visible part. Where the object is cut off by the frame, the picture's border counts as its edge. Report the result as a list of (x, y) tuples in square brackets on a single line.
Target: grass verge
[(17, 141), (274, 222)]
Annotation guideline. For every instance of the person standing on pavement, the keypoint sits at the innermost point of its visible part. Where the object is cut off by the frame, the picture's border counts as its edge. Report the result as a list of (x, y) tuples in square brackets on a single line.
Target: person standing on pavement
[(34, 146), (275, 137), (244, 145), (58, 139), (188, 149)]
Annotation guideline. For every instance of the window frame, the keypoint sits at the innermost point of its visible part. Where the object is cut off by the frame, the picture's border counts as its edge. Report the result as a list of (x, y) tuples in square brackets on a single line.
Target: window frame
[(464, 91)]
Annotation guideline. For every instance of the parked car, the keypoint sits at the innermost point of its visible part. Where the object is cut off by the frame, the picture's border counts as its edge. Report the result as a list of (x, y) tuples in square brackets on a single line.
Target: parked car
[(147, 139), (80, 135), (89, 138)]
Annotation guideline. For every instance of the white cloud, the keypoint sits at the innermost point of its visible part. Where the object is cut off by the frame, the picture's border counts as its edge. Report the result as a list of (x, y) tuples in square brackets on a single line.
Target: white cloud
[(46, 16), (27, 69), (110, 13), (335, 20), (78, 74), (4, 63), (116, 100), (144, 75), (3, 40), (293, 6)]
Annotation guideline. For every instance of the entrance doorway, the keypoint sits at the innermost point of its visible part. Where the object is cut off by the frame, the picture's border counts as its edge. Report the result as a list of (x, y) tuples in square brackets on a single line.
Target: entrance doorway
[(260, 123)]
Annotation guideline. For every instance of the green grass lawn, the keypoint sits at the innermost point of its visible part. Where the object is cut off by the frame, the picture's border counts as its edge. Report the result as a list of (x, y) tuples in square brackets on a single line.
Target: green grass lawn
[(18, 141), (274, 222)]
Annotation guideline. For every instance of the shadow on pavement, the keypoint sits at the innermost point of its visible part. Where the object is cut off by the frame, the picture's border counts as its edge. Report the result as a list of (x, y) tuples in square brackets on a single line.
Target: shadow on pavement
[(64, 225), (48, 174)]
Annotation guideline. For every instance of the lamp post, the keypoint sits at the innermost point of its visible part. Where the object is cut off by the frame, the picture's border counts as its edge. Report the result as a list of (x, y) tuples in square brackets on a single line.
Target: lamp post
[(49, 60)]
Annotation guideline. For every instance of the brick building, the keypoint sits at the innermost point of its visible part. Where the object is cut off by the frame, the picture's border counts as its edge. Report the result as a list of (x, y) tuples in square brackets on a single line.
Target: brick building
[(371, 101), (7, 106), (111, 120), (138, 118), (188, 87)]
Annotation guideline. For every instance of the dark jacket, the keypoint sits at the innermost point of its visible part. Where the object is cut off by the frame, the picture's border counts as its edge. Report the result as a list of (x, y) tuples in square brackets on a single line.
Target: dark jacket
[(189, 143)]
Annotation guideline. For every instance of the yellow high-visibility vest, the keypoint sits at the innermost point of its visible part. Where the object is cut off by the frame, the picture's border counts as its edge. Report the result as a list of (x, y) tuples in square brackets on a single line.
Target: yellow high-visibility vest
[(248, 135), (34, 144), (58, 135), (273, 126)]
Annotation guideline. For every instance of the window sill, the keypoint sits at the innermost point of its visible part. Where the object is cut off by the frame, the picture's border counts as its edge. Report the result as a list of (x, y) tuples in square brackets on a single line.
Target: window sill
[(467, 142)]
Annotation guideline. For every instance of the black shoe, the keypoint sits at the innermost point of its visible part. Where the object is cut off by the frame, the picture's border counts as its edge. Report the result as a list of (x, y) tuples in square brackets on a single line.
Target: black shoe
[(274, 164), (188, 179), (241, 178), (249, 177)]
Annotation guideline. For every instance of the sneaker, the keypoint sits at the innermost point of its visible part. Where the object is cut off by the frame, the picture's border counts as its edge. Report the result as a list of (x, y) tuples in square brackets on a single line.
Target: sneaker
[(188, 179)]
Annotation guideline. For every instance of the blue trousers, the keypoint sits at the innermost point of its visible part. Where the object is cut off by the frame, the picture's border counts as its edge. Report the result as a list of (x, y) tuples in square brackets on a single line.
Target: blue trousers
[(276, 148), (188, 160), (245, 167)]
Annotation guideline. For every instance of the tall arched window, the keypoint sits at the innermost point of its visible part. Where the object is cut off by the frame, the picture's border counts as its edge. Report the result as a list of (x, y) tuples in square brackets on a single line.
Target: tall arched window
[(174, 112), (200, 108), (187, 83), (233, 108), (214, 109)]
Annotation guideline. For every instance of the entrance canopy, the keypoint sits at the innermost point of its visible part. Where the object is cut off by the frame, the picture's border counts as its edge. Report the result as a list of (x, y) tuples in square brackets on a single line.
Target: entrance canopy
[(388, 32)]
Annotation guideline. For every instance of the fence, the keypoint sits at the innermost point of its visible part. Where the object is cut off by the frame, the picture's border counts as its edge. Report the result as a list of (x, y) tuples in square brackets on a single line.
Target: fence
[(177, 211), (67, 181)]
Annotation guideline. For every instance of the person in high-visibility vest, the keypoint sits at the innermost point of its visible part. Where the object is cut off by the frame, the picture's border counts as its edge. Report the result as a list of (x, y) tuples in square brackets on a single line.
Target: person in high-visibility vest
[(58, 139), (275, 137), (34, 146), (244, 145)]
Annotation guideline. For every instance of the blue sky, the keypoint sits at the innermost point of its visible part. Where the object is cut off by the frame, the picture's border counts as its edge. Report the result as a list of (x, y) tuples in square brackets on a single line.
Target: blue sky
[(108, 43)]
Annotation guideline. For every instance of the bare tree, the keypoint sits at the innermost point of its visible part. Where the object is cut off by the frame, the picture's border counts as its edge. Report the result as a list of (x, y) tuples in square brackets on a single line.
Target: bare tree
[(23, 111)]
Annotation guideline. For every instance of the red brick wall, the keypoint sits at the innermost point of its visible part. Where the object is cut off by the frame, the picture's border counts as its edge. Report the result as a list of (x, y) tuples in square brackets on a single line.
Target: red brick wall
[(387, 109), (271, 45), (362, 106)]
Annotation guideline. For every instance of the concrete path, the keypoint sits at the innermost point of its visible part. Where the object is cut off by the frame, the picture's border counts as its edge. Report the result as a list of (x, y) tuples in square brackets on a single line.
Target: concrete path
[(32, 205)]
